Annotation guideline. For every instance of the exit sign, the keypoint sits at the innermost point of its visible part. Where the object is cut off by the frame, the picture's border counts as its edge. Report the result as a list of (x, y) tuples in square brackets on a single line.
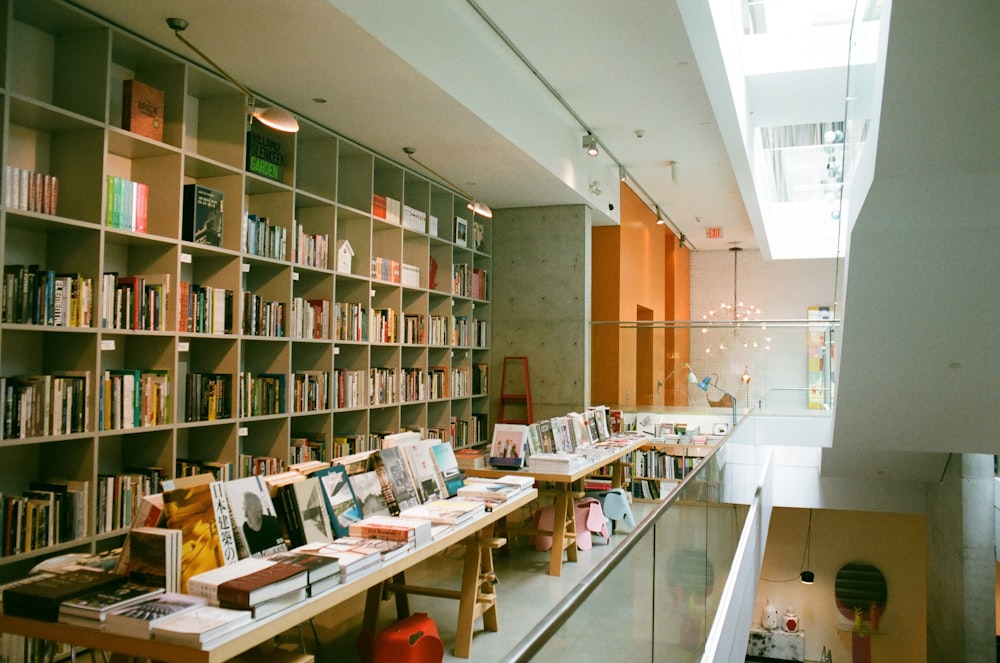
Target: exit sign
[(713, 233)]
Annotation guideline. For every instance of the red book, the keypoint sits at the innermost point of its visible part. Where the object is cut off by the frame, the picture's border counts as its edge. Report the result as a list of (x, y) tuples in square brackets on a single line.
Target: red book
[(270, 582)]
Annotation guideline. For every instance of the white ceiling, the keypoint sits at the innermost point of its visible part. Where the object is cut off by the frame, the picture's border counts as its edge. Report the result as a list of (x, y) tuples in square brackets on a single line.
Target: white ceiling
[(435, 76)]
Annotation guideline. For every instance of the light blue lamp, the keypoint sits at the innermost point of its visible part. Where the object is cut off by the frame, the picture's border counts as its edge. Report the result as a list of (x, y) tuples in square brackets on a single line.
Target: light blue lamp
[(707, 382)]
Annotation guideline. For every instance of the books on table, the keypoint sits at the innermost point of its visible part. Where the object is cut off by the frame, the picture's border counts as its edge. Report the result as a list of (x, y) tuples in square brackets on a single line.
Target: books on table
[(388, 550), (41, 599), (338, 494), (246, 591), (453, 511), (201, 512), (322, 572), (557, 463), (509, 446), (203, 627), (393, 528), (155, 557), (137, 620), (304, 510), (255, 523), (92, 608), (353, 563), (449, 472), (493, 490), (206, 584)]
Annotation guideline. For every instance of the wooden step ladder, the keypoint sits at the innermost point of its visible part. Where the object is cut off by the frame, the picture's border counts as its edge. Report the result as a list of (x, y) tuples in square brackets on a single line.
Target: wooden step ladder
[(516, 394)]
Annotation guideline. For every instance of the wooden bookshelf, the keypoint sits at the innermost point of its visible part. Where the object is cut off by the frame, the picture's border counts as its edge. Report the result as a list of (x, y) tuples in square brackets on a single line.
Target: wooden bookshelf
[(664, 464), (62, 92)]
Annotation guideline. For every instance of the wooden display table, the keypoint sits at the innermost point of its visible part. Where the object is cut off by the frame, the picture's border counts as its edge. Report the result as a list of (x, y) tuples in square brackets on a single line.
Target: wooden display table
[(567, 487), (477, 597)]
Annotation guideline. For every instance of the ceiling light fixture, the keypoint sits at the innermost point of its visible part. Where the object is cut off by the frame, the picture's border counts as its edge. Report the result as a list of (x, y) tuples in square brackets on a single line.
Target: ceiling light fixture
[(271, 116), (805, 575), (477, 207), (738, 315), (590, 144), (622, 174), (659, 217)]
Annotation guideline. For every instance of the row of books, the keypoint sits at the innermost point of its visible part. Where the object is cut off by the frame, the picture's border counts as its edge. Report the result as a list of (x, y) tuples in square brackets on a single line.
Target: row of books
[(260, 238), (42, 405), (203, 309), (310, 391), (127, 204), (386, 269), (31, 191), (135, 302), (386, 208), (469, 282), (261, 394), (134, 398), (310, 318), (262, 317), (47, 513), (311, 250), (514, 444), (36, 296)]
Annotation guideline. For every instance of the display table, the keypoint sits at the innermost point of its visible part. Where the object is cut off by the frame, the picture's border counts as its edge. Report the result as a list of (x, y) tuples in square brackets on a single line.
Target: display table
[(767, 645), (567, 487), (476, 596)]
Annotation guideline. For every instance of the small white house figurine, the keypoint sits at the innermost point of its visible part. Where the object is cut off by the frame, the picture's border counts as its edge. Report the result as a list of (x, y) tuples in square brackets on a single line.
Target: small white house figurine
[(344, 256)]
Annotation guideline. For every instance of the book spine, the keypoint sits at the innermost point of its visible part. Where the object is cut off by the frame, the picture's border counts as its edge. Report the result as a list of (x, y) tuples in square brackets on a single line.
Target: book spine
[(379, 532)]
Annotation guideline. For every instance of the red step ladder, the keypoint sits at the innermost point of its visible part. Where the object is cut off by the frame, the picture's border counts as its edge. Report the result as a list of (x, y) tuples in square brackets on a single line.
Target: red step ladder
[(516, 393)]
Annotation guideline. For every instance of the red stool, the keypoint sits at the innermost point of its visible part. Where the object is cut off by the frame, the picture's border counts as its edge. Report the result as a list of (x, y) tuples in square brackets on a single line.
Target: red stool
[(411, 640)]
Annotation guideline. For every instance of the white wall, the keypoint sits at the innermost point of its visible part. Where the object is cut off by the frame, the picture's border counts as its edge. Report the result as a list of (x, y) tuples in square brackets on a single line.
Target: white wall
[(783, 290)]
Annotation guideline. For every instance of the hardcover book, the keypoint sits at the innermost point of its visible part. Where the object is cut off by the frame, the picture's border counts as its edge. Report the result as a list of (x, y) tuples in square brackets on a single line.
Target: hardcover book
[(341, 505), (448, 512), (155, 557), (201, 512), (255, 522), (509, 445), (306, 514), (368, 492), (200, 626), (40, 600), (423, 470), (97, 605), (246, 591), (207, 584), (317, 566), (394, 476), (137, 620), (450, 474), (142, 109), (202, 215)]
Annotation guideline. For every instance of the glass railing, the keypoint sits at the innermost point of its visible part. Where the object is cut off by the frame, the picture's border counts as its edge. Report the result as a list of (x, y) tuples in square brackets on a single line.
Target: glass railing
[(675, 588), (767, 365)]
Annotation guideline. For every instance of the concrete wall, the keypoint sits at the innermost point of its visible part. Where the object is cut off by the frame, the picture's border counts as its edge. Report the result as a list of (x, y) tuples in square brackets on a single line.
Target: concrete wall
[(541, 303)]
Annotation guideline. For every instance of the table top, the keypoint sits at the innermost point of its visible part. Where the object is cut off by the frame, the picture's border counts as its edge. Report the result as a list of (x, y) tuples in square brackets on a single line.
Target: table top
[(259, 630), (596, 463)]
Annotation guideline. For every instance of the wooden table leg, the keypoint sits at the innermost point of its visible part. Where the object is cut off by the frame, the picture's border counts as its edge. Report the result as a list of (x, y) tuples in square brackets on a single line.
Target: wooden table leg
[(478, 595), (563, 530)]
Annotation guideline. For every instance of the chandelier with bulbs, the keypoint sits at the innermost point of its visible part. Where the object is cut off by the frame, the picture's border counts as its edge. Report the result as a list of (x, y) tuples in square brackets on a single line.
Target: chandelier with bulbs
[(738, 316)]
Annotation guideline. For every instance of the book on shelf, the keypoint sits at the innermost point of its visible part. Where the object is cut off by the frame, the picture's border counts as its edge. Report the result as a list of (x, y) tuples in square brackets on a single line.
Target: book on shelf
[(154, 557), (201, 512), (142, 109), (203, 213), (245, 591), (396, 481), (256, 524), (509, 445), (201, 627), (206, 584), (137, 620), (341, 505), (450, 474), (41, 600), (302, 506), (322, 572), (95, 606), (454, 511)]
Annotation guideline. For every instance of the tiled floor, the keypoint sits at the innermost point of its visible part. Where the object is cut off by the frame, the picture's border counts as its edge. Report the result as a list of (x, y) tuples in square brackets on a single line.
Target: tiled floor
[(525, 594)]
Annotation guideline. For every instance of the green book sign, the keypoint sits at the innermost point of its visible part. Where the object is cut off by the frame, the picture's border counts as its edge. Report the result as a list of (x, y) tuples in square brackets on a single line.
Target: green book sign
[(264, 156)]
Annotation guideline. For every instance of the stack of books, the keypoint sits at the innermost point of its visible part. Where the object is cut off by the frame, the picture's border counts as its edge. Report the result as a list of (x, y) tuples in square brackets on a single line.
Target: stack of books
[(495, 490), (41, 599), (558, 463), (203, 628), (90, 610), (265, 591), (453, 511), (322, 572), (393, 528), (137, 620)]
